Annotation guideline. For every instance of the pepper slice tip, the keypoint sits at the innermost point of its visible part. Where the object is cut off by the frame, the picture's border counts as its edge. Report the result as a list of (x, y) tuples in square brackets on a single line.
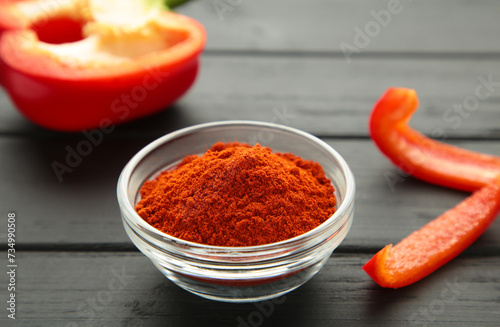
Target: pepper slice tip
[(376, 266)]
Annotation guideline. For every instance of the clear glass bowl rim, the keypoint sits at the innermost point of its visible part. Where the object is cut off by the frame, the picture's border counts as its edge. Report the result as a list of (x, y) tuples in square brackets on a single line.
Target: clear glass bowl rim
[(129, 213)]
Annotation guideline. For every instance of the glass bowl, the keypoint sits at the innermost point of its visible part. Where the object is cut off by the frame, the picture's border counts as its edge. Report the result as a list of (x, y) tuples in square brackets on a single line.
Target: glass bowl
[(236, 274)]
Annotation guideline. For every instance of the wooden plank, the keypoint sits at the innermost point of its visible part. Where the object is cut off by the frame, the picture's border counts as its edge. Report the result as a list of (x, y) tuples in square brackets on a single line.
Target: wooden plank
[(82, 204), (122, 289), (82, 209), (324, 96), (322, 25)]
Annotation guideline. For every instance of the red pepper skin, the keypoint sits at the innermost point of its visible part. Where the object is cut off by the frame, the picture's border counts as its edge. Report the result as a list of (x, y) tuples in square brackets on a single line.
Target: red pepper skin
[(435, 244), (420, 156), (62, 97)]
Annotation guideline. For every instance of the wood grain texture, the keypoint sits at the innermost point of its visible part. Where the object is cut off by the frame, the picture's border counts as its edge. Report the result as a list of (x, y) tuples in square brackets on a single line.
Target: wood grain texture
[(322, 25), (113, 289), (82, 209), (323, 96)]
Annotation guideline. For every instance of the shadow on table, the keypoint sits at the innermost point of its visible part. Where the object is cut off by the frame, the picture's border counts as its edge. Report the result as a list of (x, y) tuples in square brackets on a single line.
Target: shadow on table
[(170, 305), (90, 156), (177, 116), (420, 303)]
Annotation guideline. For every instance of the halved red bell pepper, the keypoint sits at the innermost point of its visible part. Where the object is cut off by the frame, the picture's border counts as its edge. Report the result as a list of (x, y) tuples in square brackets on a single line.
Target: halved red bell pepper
[(420, 156), (73, 65), (11, 17), (435, 244)]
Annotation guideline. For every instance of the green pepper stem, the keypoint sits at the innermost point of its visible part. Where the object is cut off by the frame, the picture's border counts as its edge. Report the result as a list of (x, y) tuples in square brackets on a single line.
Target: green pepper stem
[(174, 3)]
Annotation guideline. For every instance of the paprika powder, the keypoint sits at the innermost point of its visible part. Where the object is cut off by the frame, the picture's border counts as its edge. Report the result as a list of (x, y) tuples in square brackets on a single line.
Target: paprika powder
[(238, 195)]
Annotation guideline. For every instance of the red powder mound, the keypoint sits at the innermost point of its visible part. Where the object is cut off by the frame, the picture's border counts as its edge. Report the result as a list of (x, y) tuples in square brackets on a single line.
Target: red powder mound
[(238, 195)]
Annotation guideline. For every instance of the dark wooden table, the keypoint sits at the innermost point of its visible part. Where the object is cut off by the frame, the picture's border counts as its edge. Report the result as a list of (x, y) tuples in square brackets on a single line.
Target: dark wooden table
[(280, 61)]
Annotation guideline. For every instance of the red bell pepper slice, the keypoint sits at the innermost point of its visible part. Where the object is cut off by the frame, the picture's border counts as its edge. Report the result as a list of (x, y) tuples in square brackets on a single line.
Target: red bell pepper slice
[(75, 65), (420, 156), (435, 244)]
